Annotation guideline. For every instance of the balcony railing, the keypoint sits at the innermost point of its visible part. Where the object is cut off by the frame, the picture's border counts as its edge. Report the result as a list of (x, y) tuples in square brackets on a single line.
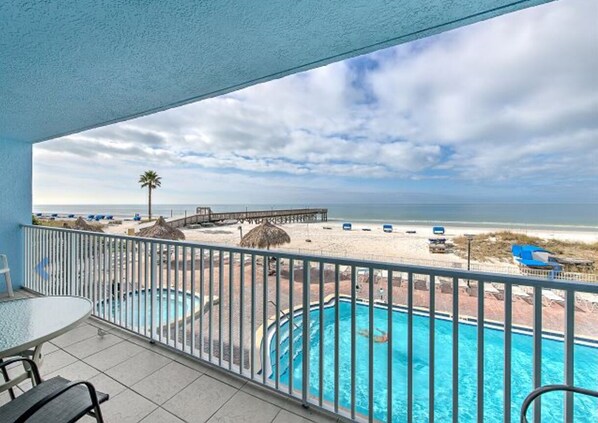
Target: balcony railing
[(387, 341)]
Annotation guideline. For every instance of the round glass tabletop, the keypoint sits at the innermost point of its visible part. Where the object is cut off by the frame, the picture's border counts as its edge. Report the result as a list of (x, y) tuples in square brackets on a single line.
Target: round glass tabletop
[(28, 322)]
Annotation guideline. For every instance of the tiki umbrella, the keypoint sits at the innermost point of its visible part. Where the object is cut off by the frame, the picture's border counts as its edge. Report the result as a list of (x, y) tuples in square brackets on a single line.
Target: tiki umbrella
[(265, 235), (161, 230), (82, 225)]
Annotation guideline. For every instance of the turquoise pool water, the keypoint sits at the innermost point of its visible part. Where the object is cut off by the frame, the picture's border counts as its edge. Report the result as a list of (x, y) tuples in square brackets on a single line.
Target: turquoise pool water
[(138, 304), (586, 367)]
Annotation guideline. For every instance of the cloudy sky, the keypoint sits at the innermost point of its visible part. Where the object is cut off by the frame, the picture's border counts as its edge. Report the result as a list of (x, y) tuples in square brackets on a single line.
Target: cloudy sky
[(502, 111)]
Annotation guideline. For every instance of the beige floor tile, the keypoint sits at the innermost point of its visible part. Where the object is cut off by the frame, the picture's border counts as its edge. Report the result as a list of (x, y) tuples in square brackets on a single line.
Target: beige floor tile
[(107, 385), (287, 417), (80, 333), (55, 361), (75, 371), (48, 348), (92, 345), (161, 416), (166, 382), (113, 355), (285, 403), (244, 408), (235, 382), (137, 367), (198, 401), (127, 407)]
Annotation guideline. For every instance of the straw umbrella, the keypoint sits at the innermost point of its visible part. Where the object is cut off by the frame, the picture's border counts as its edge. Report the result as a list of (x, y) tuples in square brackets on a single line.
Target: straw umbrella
[(162, 230), (82, 225), (265, 235)]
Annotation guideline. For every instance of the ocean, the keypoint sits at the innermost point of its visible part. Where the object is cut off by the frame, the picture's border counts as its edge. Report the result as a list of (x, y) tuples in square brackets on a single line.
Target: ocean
[(576, 217)]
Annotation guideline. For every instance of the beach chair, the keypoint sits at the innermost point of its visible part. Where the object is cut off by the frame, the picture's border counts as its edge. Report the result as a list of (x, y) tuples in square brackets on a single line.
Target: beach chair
[(5, 270), (549, 298), (489, 291), (516, 293), (586, 301), (52, 400)]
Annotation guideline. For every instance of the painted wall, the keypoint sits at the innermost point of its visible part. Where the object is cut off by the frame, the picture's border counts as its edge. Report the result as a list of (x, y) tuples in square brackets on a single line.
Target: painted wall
[(15, 204)]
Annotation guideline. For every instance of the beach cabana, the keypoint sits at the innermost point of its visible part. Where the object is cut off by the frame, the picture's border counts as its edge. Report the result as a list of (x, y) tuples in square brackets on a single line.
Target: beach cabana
[(438, 230), (162, 230), (265, 235), (387, 228), (347, 226)]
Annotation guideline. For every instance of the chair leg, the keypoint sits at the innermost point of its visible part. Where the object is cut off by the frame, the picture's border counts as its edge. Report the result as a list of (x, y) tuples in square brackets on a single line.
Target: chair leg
[(11, 391), (8, 282)]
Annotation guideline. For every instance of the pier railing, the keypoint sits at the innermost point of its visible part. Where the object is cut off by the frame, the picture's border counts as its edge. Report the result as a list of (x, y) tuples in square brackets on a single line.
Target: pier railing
[(254, 216), (387, 341)]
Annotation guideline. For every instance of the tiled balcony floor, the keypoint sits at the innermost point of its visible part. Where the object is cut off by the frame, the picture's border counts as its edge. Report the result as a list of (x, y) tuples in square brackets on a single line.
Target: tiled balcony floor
[(149, 383)]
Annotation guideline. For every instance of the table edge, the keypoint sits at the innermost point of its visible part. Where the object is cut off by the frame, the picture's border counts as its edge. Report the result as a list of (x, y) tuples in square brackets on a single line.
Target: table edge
[(23, 347)]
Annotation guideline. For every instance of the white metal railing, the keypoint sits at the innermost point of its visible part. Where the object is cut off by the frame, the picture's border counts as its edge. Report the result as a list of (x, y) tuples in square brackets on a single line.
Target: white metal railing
[(387, 341)]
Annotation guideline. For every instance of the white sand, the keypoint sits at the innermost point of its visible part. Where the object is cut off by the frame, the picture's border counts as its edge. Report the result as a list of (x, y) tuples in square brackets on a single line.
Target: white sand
[(374, 244)]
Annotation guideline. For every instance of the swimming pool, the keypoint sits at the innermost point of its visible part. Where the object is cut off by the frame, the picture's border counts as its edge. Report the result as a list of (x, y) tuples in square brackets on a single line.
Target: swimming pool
[(138, 305), (586, 367)]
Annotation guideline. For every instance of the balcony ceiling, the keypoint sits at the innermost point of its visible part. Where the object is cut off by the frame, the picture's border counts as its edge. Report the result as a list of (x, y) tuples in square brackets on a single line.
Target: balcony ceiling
[(73, 65)]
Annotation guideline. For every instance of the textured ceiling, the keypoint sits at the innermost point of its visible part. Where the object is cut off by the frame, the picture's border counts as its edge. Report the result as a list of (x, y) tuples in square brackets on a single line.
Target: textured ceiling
[(72, 65)]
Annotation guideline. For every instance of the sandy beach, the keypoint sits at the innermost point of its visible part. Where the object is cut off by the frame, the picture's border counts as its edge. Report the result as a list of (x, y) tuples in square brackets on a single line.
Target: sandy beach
[(328, 238)]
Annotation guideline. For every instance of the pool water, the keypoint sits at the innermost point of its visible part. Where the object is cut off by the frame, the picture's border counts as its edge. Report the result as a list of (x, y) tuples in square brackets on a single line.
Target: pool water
[(586, 367), (138, 304)]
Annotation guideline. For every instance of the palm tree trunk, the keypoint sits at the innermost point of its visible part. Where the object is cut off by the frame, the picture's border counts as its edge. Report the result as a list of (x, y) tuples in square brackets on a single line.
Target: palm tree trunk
[(149, 212)]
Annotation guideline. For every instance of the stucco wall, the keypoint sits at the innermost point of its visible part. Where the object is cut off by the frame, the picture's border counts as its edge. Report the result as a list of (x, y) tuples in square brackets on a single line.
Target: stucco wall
[(15, 204)]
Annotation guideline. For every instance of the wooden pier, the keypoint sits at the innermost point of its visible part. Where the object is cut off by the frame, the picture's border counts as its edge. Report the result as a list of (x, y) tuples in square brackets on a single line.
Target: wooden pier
[(205, 215)]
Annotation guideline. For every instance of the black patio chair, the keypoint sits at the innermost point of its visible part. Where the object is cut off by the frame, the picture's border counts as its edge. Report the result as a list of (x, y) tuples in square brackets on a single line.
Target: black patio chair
[(55, 400)]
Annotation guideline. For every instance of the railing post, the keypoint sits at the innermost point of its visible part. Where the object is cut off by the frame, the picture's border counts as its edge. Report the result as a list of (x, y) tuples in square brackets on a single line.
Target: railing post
[(73, 263), (153, 292), (306, 334)]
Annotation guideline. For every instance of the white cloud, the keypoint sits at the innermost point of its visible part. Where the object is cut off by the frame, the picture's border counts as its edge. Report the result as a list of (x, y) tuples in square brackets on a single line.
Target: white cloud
[(510, 98)]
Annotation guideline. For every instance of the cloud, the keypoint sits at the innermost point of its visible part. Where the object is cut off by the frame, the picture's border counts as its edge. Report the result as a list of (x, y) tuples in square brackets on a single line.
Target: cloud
[(510, 99)]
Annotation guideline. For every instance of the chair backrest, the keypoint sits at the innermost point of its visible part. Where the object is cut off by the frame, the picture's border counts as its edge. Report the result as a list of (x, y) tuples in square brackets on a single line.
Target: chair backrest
[(4, 264), (5, 270)]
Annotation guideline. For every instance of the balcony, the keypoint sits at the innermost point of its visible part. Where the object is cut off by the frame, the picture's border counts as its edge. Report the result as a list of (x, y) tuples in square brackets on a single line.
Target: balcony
[(388, 342), (152, 383)]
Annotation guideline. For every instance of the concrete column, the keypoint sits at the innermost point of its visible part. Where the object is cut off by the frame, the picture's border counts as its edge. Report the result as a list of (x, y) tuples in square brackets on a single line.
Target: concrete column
[(15, 204)]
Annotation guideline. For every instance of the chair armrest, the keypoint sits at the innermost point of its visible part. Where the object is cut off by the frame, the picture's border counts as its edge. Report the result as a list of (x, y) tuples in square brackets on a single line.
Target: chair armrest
[(551, 388), (37, 378), (38, 405)]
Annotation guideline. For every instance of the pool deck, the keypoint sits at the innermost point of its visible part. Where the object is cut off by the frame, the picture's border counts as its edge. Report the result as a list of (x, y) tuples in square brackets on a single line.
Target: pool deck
[(152, 384)]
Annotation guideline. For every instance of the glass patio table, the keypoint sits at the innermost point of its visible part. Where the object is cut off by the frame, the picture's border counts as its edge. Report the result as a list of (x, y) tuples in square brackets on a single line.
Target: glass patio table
[(25, 324)]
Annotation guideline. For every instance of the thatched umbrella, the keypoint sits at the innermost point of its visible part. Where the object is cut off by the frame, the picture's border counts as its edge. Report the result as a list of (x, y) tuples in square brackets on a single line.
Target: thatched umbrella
[(265, 235), (161, 230), (82, 225)]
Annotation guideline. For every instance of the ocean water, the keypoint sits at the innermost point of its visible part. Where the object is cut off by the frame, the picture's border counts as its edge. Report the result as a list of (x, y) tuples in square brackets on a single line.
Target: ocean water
[(566, 216), (585, 366)]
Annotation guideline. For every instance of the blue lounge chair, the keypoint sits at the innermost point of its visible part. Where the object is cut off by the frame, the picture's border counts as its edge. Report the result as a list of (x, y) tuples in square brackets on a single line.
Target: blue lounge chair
[(137, 217), (54, 214), (438, 230), (91, 216), (109, 217), (387, 228), (347, 226), (71, 216), (38, 214)]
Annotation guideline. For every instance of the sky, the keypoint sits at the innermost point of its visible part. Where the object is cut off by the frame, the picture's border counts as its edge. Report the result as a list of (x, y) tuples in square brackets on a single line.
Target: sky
[(505, 110)]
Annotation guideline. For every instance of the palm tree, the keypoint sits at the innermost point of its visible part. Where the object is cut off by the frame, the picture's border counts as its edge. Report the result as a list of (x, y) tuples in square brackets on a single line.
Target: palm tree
[(151, 180)]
